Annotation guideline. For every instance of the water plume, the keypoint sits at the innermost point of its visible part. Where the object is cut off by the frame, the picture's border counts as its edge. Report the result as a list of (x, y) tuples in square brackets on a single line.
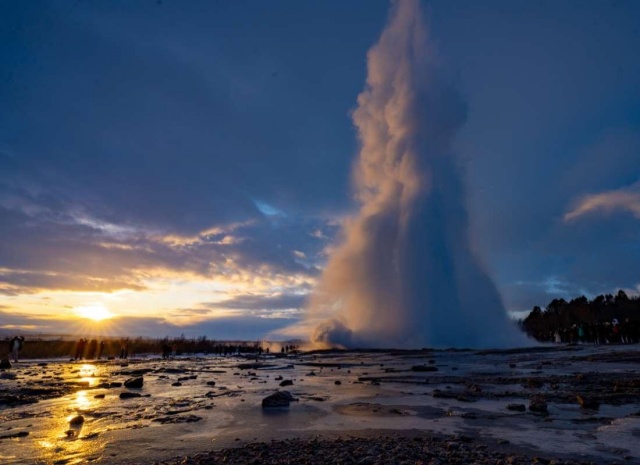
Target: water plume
[(403, 274)]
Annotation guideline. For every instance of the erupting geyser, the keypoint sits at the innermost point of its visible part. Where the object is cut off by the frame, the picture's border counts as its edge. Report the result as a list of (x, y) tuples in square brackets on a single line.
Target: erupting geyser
[(403, 274)]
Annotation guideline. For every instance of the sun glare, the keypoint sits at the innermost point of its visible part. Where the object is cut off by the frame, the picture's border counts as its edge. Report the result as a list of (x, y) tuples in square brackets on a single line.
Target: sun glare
[(95, 312)]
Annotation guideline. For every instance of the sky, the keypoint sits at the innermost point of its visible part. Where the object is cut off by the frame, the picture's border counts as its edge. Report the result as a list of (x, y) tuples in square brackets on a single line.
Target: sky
[(185, 167)]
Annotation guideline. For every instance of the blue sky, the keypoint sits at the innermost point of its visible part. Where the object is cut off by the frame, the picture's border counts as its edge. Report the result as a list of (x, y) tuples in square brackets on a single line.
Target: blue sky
[(186, 165)]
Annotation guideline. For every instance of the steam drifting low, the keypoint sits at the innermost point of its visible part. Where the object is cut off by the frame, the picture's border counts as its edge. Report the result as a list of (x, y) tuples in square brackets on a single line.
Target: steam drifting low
[(403, 274)]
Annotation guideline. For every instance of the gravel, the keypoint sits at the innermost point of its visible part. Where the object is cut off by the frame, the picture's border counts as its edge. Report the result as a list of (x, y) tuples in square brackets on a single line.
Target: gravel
[(416, 450)]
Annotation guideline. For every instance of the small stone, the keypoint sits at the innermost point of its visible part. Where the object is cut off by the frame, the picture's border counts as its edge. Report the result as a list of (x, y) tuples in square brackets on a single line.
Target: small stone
[(77, 420), (538, 404), (517, 407), (337, 382), (177, 384), (587, 403), (129, 395), (134, 383), (99, 396), (286, 382)]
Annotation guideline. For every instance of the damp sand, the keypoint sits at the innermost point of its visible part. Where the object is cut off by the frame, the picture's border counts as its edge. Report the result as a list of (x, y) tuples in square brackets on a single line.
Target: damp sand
[(349, 407)]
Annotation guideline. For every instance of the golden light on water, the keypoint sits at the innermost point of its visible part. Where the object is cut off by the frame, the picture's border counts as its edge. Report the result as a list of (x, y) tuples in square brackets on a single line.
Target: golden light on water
[(87, 374), (95, 312), (63, 442)]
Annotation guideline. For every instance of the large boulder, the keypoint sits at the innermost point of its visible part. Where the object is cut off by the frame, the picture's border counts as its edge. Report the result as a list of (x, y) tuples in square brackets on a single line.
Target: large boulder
[(135, 383), (277, 399)]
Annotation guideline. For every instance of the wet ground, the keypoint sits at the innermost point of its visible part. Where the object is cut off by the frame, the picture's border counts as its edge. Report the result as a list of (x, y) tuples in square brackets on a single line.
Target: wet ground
[(62, 412)]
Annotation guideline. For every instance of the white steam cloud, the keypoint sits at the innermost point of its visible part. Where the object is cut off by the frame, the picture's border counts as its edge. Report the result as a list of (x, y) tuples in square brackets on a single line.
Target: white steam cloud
[(404, 274)]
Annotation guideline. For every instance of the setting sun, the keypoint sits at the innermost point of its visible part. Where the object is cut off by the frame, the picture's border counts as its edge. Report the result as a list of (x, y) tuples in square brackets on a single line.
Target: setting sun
[(95, 312)]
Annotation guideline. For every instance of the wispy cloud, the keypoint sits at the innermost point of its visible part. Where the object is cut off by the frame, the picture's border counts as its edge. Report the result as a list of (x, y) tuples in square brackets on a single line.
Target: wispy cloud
[(626, 199)]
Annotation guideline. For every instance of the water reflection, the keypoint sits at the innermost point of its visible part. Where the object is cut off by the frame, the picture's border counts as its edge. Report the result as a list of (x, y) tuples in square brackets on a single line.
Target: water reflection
[(66, 437), (81, 402), (88, 374)]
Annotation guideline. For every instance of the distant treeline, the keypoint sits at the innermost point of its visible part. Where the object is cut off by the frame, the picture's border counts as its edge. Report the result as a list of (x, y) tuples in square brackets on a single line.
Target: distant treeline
[(605, 319), (112, 348)]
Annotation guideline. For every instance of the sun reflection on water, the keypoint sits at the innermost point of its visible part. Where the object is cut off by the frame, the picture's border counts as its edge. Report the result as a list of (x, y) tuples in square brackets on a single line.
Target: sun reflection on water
[(81, 402), (67, 442), (88, 374)]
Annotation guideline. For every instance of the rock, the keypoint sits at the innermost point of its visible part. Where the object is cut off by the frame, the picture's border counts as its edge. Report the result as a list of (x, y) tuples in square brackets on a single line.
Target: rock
[(77, 420), (135, 383), (423, 368), (538, 404), (141, 371), (99, 396), (337, 382), (277, 399), (115, 384), (5, 364), (517, 407), (177, 384), (129, 395), (286, 382), (211, 383), (19, 434), (587, 403), (278, 378)]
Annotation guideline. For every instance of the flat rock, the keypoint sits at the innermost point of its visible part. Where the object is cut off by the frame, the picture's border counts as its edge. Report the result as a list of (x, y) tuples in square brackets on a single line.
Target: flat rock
[(129, 395), (286, 382)]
